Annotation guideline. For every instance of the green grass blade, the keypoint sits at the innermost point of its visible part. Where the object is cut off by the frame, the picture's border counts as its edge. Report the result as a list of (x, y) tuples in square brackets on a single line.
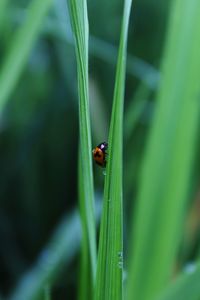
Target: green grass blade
[(47, 292), (56, 256), (135, 66), (107, 52), (21, 47), (135, 109), (85, 288), (79, 21), (110, 257), (54, 259), (167, 166), (185, 287), (3, 6)]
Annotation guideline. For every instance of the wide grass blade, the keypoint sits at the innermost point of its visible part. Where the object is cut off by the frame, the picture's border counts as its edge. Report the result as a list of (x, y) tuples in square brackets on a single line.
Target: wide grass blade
[(21, 47), (79, 21), (110, 256), (166, 174), (185, 287)]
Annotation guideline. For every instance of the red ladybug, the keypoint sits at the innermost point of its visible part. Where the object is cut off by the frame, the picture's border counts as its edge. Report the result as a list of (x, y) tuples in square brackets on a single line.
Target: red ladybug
[(99, 154)]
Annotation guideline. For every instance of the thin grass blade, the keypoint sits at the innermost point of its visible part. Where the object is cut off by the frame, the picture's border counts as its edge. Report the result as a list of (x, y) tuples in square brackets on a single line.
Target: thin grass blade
[(3, 6), (79, 21), (135, 66), (110, 257), (56, 256), (21, 47), (166, 174), (47, 293), (85, 288), (135, 109)]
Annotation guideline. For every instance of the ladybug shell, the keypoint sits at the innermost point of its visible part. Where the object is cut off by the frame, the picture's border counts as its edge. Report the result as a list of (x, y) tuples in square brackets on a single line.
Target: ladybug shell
[(99, 154)]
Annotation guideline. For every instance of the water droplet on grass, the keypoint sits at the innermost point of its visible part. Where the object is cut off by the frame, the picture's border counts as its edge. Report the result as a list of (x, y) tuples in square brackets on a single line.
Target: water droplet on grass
[(104, 172), (120, 260), (120, 254)]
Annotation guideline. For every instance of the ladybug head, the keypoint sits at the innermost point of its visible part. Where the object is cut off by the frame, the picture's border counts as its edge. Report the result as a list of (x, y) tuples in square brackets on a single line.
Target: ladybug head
[(103, 146)]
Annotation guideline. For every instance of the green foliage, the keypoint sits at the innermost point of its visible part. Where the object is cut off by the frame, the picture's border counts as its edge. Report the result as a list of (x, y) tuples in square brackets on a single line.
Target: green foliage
[(85, 278), (185, 287), (21, 47), (79, 20), (3, 6), (144, 251), (47, 293), (110, 256), (58, 253), (166, 175), (135, 110)]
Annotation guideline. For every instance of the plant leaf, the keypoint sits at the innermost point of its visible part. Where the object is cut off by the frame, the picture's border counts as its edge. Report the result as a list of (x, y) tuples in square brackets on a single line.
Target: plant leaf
[(21, 47), (85, 289), (167, 167), (110, 257), (79, 21), (185, 287)]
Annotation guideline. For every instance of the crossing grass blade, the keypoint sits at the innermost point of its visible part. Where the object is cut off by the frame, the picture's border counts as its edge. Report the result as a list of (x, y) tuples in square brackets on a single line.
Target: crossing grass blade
[(110, 256), (3, 6), (135, 66), (47, 293), (167, 167), (21, 47), (135, 110), (56, 256), (79, 21), (185, 287)]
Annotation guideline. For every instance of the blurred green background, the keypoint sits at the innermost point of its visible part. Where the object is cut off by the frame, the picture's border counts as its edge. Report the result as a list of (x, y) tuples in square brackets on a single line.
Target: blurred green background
[(39, 134)]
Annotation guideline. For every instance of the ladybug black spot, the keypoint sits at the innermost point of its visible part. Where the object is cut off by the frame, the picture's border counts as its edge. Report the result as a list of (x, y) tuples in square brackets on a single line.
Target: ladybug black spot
[(97, 154)]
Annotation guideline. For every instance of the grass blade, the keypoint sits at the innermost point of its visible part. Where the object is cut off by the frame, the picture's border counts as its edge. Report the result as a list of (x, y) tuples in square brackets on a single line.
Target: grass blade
[(107, 52), (85, 288), (79, 21), (21, 47), (135, 110), (51, 262), (47, 292), (185, 287), (168, 162), (54, 258), (135, 66), (110, 257), (3, 6)]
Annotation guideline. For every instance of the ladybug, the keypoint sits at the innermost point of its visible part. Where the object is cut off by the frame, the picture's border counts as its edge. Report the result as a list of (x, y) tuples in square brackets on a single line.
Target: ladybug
[(99, 154)]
